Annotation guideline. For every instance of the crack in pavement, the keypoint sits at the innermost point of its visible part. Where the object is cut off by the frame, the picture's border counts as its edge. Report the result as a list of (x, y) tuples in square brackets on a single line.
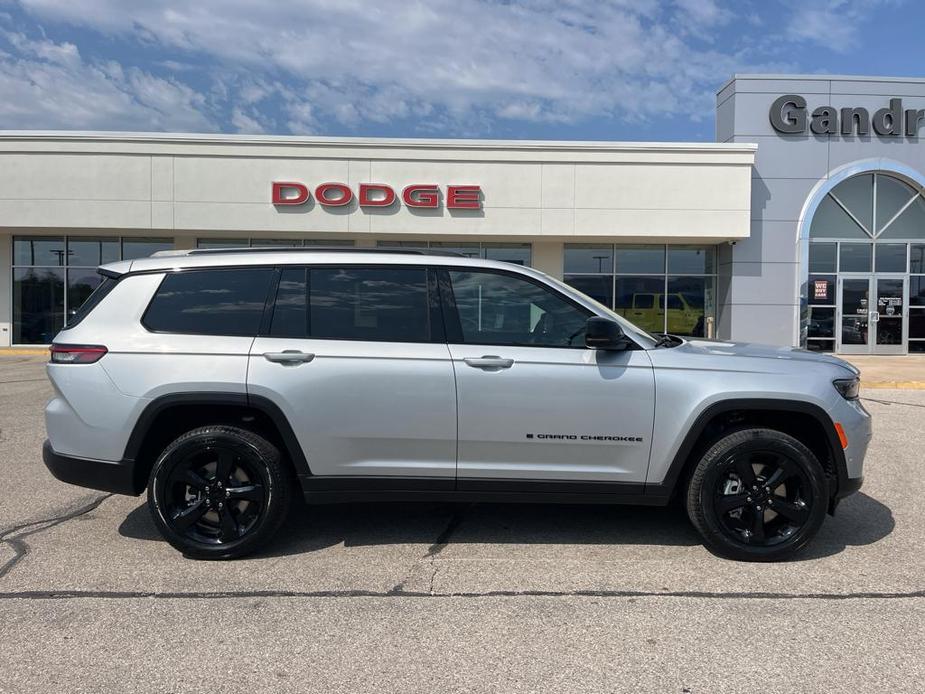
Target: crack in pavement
[(21, 547), (893, 402), (438, 546), (631, 594)]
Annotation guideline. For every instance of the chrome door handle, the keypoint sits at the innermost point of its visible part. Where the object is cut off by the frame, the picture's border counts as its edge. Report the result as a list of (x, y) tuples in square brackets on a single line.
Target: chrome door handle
[(489, 361), (289, 356)]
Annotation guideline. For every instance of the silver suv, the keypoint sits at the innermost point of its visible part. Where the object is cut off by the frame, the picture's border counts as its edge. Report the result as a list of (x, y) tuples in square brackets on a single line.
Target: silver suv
[(225, 381)]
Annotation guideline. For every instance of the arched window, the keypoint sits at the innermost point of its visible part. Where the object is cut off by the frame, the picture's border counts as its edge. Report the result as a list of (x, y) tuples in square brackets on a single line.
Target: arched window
[(870, 206)]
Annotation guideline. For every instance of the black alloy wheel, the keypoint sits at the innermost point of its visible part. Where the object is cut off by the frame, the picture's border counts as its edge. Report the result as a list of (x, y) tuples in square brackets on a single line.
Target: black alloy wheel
[(758, 494), (218, 492), (760, 497)]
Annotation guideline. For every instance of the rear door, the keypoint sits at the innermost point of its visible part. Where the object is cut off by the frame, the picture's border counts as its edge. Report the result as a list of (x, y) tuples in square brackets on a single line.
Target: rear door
[(356, 360), (536, 405)]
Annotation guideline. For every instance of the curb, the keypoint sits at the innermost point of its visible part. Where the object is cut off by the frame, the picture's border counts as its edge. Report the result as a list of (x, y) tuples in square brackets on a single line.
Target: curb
[(894, 385), (22, 352)]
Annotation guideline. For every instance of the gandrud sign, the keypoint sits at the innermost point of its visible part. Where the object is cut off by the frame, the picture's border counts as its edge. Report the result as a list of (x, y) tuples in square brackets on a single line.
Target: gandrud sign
[(789, 116)]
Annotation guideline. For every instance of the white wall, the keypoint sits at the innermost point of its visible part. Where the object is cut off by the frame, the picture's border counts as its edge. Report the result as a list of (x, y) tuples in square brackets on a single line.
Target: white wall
[(565, 191)]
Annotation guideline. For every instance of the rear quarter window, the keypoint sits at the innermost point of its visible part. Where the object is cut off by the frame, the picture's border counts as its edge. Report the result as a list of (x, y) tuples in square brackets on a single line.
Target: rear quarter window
[(96, 296), (210, 302)]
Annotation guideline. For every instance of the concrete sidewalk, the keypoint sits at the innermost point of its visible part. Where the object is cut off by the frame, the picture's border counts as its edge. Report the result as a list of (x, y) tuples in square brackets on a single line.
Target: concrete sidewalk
[(903, 372), (890, 372)]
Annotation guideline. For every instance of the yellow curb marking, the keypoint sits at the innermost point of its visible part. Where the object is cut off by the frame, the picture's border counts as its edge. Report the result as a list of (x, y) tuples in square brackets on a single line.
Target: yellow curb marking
[(895, 385)]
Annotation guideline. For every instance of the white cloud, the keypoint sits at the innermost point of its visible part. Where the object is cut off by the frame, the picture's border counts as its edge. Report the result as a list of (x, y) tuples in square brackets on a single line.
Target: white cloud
[(244, 123), (453, 65), (834, 24), (49, 85)]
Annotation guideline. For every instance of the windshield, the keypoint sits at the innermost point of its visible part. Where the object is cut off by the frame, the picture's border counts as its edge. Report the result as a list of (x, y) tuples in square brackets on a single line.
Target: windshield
[(644, 338)]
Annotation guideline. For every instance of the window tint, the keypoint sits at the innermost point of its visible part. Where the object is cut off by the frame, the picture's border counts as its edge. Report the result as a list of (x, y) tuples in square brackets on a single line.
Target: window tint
[(643, 301), (290, 313), (210, 302), (497, 309), (93, 287), (382, 304)]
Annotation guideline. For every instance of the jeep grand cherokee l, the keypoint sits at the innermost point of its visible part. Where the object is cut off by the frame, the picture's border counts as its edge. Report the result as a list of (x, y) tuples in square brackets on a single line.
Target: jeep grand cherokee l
[(226, 381)]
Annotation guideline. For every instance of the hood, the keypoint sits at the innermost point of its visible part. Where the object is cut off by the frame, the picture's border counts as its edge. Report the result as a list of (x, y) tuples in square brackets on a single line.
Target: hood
[(759, 351)]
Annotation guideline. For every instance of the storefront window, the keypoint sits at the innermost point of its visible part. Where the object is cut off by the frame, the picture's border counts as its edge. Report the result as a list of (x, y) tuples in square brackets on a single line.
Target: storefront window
[(822, 257), (890, 257), (858, 234), (516, 253), (269, 243), (38, 304), (580, 258), (91, 252), (659, 288), (54, 275), (855, 257), (142, 248), (470, 250), (39, 251)]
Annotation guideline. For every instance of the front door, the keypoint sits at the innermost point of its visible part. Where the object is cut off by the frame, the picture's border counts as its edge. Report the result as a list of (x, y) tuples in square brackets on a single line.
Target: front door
[(535, 405), (873, 314)]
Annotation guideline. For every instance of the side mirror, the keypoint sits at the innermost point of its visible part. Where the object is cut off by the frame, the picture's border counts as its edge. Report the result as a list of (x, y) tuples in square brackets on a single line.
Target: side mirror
[(603, 333)]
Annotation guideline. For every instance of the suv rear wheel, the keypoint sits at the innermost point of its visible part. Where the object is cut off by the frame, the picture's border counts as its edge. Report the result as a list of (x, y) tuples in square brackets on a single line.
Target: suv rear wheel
[(757, 495), (219, 492)]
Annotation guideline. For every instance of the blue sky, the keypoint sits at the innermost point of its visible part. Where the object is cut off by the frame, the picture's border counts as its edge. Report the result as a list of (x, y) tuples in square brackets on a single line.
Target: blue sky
[(534, 69)]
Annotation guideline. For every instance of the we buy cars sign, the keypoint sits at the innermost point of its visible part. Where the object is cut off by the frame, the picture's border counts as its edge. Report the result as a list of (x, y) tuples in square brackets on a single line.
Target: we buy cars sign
[(416, 195)]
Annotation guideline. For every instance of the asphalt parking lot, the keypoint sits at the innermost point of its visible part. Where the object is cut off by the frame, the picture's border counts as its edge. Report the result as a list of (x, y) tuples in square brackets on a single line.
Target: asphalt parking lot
[(429, 597)]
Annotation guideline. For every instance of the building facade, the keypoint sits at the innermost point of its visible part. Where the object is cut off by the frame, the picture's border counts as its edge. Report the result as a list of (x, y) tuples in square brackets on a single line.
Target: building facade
[(834, 257), (800, 226)]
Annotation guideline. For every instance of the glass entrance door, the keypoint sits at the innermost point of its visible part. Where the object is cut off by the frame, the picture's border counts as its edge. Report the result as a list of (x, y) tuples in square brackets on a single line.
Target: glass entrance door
[(872, 315), (890, 330), (855, 315)]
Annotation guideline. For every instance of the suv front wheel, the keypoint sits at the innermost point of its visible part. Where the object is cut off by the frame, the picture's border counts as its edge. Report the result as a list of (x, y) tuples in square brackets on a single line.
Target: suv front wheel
[(218, 492), (757, 495)]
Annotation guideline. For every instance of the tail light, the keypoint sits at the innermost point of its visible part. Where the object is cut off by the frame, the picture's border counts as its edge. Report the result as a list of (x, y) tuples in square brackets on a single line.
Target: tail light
[(77, 354)]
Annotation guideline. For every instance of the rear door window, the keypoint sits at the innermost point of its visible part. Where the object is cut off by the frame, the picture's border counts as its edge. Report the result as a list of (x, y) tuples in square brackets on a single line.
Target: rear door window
[(380, 304), (210, 302)]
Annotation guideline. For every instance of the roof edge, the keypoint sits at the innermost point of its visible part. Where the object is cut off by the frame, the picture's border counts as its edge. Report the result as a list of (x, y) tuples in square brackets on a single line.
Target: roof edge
[(366, 142), (820, 77)]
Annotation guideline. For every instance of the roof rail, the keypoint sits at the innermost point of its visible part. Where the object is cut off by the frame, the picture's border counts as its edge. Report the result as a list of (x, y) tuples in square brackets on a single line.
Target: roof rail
[(308, 249)]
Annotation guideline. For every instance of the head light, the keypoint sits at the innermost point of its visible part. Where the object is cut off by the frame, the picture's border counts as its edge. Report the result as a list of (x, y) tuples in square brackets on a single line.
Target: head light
[(849, 388)]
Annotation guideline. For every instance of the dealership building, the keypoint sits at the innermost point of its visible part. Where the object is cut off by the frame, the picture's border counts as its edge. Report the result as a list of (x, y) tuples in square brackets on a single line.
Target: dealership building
[(803, 224)]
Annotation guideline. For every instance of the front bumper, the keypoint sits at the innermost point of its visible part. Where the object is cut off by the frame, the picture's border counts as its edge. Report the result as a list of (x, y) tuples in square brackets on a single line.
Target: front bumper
[(849, 486), (107, 476)]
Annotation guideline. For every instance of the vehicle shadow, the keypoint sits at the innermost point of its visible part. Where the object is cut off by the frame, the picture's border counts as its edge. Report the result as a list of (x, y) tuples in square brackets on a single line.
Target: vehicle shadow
[(860, 520)]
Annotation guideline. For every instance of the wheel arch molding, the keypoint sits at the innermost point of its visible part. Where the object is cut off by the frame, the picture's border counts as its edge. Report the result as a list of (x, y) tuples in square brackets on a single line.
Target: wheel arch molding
[(162, 420), (756, 411)]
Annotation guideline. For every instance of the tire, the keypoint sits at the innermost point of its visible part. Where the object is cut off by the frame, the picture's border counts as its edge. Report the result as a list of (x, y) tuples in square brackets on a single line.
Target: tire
[(219, 492), (757, 495)]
